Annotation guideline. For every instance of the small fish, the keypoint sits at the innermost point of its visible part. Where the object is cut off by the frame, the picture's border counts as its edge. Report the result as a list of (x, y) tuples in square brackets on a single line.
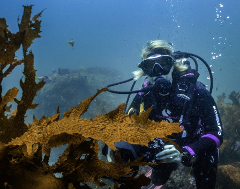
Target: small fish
[(71, 42), (44, 78)]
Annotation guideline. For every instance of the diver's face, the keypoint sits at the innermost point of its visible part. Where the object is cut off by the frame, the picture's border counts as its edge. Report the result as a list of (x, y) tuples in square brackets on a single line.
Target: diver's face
[(156, 65)]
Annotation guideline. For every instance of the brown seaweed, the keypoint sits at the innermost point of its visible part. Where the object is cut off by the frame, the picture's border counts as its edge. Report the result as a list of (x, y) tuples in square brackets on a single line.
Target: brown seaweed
[(22, 145), (234, 97), (229, 174), (9, 44)]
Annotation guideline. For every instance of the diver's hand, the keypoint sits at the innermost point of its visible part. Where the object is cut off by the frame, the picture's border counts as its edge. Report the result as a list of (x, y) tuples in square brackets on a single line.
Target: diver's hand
[(169, 155)]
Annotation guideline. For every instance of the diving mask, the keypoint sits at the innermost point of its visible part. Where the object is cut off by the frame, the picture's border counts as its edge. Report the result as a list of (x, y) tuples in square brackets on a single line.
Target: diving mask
[(157, 65)]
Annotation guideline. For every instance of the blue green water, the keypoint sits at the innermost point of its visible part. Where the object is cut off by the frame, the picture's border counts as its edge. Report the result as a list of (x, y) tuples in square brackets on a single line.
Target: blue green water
[(106, 34)]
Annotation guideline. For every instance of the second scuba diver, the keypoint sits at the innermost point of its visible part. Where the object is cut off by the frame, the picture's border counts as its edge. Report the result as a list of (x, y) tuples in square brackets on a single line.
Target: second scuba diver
[(177, 96)]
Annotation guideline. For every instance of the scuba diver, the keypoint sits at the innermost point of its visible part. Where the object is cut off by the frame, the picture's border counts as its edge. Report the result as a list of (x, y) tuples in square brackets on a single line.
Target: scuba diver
[(171, 86)]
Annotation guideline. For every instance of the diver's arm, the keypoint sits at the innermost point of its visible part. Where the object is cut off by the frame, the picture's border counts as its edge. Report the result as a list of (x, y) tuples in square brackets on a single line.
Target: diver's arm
[(212, 136)]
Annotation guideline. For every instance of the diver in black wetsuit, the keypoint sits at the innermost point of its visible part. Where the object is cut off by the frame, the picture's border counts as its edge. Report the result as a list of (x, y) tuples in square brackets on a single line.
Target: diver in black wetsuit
[(181, 99), (172, 87)]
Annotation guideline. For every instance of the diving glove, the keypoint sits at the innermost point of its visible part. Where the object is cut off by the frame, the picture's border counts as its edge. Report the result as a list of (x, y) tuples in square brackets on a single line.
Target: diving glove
[(169, 155)]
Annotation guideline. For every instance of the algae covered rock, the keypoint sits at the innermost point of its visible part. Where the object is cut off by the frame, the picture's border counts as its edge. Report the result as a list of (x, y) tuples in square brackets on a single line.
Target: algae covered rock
[(229, 176), (70, 87)]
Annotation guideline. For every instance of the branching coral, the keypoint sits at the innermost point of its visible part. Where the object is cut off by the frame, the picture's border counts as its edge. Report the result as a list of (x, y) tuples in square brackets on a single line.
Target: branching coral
[(21, 164)]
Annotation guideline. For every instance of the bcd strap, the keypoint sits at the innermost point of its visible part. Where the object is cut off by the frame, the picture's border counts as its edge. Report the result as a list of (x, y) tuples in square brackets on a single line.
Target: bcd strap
[(189, 77)]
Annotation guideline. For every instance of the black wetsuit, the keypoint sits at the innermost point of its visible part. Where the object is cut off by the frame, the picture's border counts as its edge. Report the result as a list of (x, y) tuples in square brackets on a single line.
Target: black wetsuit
[(203, 134)]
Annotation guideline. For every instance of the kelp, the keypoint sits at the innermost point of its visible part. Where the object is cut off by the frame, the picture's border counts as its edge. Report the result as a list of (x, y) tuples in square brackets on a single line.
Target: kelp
[(228, 173), (31, 27), (22, 164), (9, 44), (228, 176), (230, 114)]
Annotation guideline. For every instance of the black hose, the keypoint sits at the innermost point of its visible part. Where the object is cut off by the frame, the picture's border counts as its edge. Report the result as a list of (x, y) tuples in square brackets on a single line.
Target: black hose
[(129, 97), (195, 61), (127, 92), (125, 81), (178, 55), (209, 70)]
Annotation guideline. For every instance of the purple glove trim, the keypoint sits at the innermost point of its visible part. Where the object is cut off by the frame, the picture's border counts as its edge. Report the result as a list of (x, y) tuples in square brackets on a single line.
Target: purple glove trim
[(214, 138), (190, 150)]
